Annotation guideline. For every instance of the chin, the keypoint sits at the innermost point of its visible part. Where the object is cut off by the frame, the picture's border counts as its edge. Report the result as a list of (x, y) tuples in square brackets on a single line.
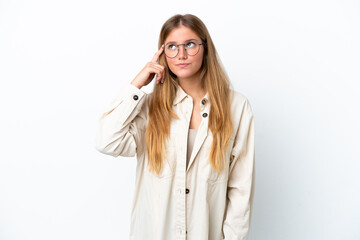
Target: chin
[(184, 74)]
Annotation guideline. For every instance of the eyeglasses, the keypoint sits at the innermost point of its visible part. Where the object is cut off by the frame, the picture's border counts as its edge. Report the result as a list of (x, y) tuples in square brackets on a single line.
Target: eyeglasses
[(192, 48)]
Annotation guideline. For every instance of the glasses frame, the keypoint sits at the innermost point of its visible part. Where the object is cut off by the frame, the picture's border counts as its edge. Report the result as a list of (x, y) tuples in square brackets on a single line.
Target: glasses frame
[(177, 47)]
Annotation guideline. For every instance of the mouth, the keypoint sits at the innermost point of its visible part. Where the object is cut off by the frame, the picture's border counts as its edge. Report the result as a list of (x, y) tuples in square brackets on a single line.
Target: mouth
[(182, 65)]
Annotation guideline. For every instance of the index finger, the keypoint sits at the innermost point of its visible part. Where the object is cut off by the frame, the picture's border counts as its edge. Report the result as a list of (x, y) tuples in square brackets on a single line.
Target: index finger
[(157, 54)]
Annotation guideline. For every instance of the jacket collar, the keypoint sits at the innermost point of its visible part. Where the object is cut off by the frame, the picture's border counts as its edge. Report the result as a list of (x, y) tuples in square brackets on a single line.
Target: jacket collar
[(181, 94)]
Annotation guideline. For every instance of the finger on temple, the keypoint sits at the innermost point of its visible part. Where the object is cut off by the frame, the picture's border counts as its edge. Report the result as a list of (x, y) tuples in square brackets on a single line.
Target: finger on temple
[(157, 54)]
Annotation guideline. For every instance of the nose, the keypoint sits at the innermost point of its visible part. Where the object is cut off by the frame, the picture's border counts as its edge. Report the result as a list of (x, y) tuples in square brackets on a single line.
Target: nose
[(182, 52)]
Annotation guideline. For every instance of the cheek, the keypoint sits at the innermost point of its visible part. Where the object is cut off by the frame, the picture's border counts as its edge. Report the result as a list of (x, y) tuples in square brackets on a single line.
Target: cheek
[(199, 60), (171, 64)]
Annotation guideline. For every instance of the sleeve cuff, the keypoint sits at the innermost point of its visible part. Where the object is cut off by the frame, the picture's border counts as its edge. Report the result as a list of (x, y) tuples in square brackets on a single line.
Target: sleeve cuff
[(128, 92)]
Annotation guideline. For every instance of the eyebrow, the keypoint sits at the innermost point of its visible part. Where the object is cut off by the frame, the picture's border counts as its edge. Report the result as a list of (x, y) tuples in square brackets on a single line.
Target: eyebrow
[(185, 41)]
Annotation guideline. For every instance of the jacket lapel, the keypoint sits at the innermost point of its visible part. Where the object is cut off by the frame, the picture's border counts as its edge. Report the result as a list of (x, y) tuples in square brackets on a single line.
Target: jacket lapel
[(203, 128), (200, 138)]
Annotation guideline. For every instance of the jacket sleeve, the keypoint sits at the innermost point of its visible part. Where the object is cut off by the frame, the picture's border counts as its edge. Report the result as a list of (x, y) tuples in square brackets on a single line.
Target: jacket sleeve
[(241, 182), (120, 127)]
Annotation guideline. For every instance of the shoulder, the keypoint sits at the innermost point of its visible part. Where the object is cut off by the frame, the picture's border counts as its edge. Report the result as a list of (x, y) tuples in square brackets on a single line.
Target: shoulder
[(239, 101), (237, 96), (241, 111)]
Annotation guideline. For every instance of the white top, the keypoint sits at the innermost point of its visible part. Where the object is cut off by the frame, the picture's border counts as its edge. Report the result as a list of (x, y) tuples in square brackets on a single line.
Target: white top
[(190, 144), (193, 203)]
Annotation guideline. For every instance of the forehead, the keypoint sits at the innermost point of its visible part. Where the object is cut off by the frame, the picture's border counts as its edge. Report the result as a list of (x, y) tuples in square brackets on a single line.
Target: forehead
[(181, 34)]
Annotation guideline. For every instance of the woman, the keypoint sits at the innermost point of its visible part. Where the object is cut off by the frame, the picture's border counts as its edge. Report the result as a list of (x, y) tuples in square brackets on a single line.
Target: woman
[(193, 137)]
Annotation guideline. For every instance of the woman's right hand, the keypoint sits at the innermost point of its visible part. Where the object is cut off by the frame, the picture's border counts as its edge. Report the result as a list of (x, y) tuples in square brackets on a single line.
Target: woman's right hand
[(146, 75)]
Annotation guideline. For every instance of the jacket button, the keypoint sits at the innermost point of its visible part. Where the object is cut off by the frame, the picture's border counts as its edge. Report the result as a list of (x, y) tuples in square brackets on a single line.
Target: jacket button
[(203, 101), (187, 191), (205, 115), (135, 97), (186, 232)]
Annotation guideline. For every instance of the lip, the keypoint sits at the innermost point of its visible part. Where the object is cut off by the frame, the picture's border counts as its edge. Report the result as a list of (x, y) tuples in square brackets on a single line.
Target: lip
[(182, 65)]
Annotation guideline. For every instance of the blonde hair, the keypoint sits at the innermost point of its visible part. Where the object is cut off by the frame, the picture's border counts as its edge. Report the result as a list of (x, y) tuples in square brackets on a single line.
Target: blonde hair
[(215, 82)]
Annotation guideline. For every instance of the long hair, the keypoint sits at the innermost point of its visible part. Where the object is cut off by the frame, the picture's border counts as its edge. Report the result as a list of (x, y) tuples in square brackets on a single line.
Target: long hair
[(213, 79)]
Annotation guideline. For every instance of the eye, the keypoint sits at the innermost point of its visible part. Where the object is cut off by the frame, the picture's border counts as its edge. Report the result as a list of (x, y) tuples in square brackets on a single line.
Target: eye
[(171, 47), (190, 44)]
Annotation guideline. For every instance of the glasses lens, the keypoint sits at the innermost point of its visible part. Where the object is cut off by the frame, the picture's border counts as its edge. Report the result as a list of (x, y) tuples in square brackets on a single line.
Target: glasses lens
[(192, 48), (171, 50)]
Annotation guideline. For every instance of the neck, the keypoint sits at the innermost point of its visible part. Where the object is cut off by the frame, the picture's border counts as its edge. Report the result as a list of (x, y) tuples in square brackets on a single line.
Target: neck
[(193, 87)]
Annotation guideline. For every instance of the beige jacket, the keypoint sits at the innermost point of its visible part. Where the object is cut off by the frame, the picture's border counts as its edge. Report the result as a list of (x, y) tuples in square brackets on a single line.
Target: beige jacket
[(195, 203)]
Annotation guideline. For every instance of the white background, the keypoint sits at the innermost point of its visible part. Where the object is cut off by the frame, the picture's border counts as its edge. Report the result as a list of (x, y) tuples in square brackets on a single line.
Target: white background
[(63, 62)]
